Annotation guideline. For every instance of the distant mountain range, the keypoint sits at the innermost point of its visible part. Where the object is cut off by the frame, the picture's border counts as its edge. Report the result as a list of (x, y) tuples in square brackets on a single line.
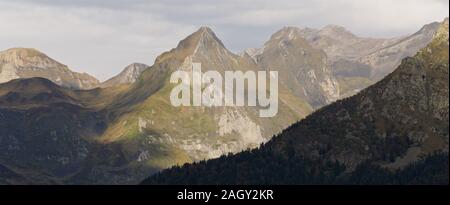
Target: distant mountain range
[(302, 68), (18, 63), (394, 132), (61, 127)]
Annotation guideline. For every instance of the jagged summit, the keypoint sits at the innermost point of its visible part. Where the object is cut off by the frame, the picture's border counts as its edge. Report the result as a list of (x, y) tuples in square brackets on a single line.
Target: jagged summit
[(202, 46), (208, 31), (129, 75), (390, 53), (308, 33), (302, 68), (203, 36), (205, 29), (207, 35), (24, 52), (289, 29), (390, 126)]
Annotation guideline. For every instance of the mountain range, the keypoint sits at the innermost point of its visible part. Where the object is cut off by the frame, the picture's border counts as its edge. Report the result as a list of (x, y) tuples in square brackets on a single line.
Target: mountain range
[(354, 62), (61, 127), (394, 132), (27, 63)]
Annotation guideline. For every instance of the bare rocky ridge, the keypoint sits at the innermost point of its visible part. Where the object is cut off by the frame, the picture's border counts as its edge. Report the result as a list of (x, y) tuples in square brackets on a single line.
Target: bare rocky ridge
[(128, 76), (383, 60), (45, 131), (163, 135), (28, 63)]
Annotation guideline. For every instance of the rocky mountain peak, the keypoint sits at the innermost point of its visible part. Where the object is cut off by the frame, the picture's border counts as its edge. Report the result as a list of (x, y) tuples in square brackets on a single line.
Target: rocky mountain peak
[(442, 32), (23, 52), (135, 67), (286, 33), (202, 46), (335, 28), (431, 27), (25, 57), (337, 32), (252, 53), (29, 63)]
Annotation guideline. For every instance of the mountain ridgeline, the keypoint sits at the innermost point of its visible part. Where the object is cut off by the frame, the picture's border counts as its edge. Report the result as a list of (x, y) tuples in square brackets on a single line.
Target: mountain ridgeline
[(22, 63), (394, 132), (129, 75), (119, 134)]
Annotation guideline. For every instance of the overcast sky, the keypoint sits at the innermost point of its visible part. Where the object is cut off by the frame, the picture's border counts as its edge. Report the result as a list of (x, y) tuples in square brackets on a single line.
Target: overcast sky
[(101, 37)]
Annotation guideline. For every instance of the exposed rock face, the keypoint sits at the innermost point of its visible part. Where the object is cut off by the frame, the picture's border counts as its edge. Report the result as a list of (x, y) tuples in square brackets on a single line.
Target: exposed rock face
[(409, 105), (129, 75), (302, 68), (28, 63)]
